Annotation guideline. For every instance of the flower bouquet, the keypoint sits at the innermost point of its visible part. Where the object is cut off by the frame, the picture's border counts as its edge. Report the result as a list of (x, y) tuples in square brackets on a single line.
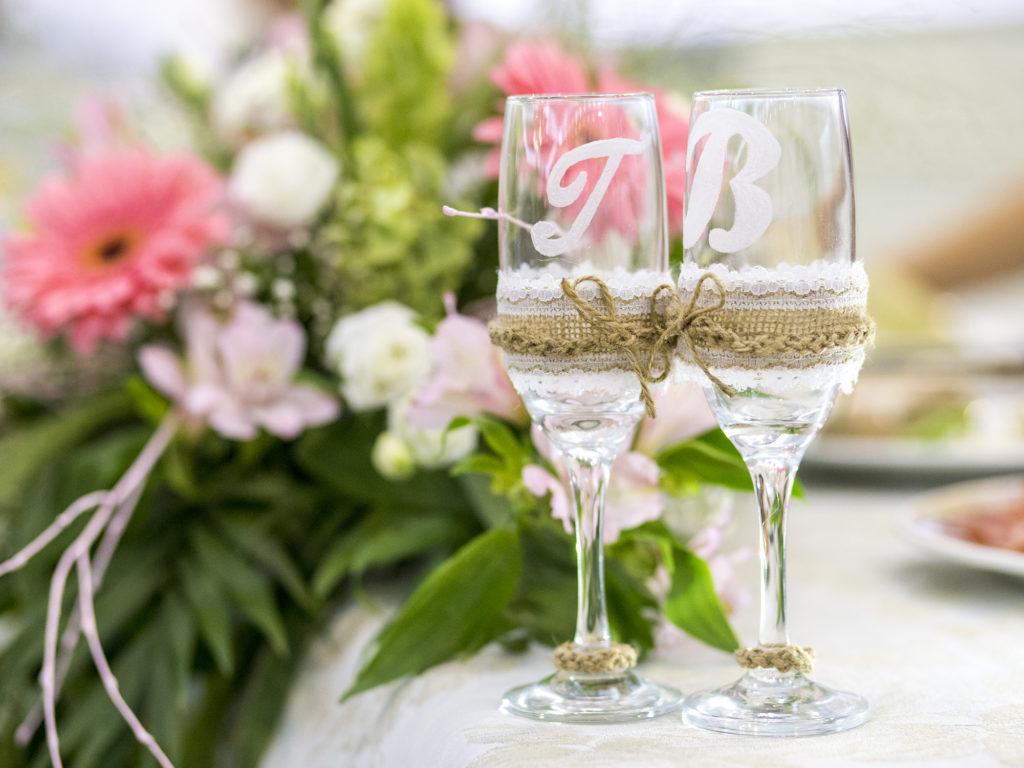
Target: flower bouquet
[(257, 395)]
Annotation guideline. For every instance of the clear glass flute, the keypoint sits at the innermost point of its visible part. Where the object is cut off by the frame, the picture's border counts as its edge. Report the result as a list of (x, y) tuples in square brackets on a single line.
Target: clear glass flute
[(581, 195), (771, 214)]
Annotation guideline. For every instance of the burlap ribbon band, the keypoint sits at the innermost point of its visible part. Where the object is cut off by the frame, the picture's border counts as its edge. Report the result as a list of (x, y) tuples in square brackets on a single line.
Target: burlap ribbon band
[(648, 342)]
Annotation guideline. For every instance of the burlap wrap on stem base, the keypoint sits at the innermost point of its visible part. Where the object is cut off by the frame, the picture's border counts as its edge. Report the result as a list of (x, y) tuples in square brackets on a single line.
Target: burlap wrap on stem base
[(785, 658), (617, 657), (598, 335)]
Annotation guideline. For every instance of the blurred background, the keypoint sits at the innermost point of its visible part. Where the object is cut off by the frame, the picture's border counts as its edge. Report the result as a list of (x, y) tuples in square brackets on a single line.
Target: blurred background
[(934, 90)]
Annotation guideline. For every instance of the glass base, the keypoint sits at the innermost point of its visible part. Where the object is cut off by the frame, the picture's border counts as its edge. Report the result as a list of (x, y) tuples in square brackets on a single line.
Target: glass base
[(769, 703), (564, 698)]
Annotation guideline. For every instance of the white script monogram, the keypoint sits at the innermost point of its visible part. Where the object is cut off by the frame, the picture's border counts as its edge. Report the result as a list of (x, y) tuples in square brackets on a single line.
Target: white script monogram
[(753, 205), (547, 237)]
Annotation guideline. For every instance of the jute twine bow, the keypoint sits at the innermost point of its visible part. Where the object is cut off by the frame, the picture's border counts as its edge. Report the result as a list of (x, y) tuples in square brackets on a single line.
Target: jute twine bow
[(785, 658), (655, 340), (617, 657)]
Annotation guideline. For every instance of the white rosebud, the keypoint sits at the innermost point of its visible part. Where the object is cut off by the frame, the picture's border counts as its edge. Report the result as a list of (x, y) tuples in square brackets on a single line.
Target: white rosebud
[(380, 354), (253, 99), (207, 277), (282, 290), (432, 448), (283, 179), (392, 458), (246, 284)]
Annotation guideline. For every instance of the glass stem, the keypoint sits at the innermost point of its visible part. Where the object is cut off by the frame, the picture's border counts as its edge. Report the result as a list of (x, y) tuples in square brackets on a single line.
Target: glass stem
[(588, 473), (773, 484)]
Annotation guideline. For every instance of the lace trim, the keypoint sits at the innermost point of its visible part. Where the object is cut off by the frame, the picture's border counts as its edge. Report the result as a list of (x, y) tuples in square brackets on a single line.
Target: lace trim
[(789, 288), (544, 284), (799, 279), (778, 380), (576, 383)]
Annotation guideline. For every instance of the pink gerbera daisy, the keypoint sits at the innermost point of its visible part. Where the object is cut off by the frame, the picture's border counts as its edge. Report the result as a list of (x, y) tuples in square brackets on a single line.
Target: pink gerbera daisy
[(543, 67), (529, 67), (115, 241), (674, 127)]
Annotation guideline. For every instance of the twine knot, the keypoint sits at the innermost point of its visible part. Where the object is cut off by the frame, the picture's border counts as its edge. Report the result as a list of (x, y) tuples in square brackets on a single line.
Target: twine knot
[(616, 657), (785, 658), (650, 348)]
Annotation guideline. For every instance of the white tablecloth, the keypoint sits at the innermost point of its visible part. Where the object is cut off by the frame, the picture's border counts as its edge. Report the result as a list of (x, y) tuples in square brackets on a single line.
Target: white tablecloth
[(938, 649)]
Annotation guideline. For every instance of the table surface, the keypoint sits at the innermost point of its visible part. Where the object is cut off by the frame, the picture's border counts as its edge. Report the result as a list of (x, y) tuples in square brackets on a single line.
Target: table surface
[(935, 647)]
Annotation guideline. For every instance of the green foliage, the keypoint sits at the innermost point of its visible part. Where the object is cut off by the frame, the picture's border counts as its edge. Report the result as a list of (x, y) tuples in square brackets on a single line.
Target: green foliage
[(707, 458), (457, 609), (386, 536), (691, 604), (31, 446), (403, 93), (510, 452), (389, 239), (210, 593)]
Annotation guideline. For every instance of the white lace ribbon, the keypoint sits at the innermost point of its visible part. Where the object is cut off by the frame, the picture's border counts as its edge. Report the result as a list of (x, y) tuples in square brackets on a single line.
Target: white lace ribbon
[(816, 286)]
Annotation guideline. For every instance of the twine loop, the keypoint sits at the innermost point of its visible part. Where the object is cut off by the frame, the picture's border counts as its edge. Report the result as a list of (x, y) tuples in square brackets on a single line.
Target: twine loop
[(784, 658), (616, 657), (658, 340)]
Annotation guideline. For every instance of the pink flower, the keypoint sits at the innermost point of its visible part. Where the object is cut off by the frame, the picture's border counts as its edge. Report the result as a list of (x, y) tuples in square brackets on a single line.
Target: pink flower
[(238, 375), (469, 376), (542, 67), (683, 413), (674, 127), (633, 496), (116, 240), (529, 67)]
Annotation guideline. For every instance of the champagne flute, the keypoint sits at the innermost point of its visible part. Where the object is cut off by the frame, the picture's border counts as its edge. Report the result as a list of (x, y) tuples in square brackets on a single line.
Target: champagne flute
[(771, 216), (581, 198)]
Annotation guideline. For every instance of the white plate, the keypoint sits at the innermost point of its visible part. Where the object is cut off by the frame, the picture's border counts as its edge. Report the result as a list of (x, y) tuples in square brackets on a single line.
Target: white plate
[(918, 457), (922, 522)]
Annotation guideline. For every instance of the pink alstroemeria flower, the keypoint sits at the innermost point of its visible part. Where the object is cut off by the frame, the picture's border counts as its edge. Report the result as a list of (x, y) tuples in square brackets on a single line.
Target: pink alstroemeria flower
[(633, 496), (469, 377), (238, 375), (683, 413)]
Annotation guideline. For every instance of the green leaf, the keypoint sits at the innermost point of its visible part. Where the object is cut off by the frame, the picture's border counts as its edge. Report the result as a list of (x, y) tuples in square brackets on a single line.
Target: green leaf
[(338, 455), (257, 705), (494, 510), (692, 604), (708, 458), (269, 552), (212, 610), (148, 403), (501, 439), (249, 588), (631, 607), (545, 601), (32, 446), (387, 536), (457, 609)]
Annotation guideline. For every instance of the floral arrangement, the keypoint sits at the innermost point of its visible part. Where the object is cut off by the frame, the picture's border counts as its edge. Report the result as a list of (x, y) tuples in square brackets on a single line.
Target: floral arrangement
[(258, 394)]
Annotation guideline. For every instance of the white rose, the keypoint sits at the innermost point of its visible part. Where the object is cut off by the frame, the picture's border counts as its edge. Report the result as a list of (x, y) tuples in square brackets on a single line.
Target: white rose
[(432, 448), (392, 457), (253, 99), (283, 179), (351, 22), (380, 354)]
